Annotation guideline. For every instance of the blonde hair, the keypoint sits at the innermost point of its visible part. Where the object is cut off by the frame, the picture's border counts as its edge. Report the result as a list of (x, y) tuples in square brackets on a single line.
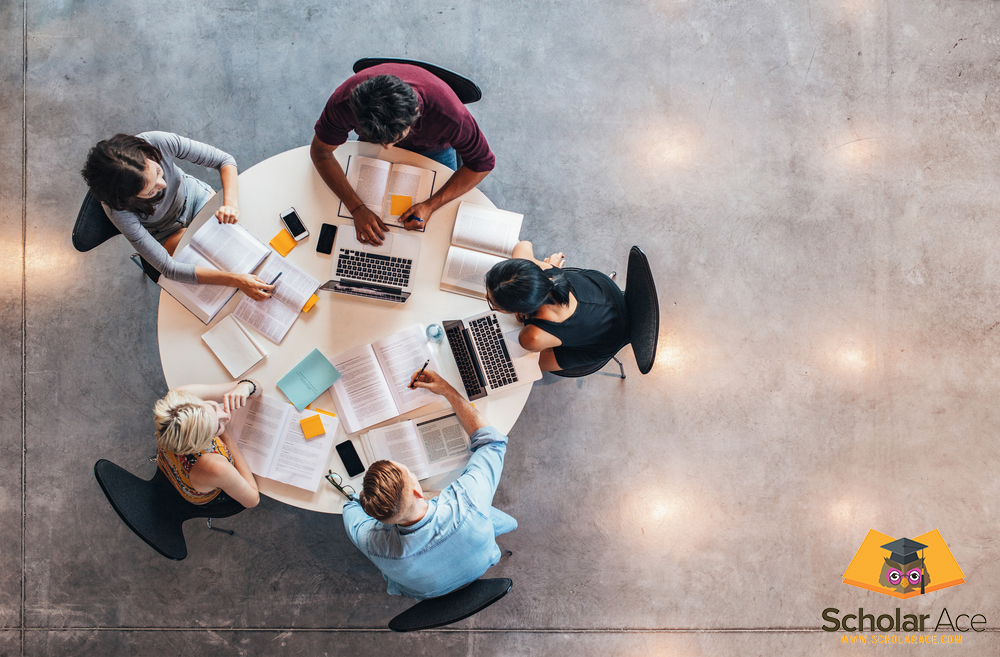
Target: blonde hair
[(183, 426)]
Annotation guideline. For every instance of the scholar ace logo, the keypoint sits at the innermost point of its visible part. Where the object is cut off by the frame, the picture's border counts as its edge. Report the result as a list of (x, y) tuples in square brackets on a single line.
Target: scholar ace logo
[(903, 567)]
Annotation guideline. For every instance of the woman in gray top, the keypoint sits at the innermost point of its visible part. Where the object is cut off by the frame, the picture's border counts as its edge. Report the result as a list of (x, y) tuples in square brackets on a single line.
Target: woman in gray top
[(151, 201)]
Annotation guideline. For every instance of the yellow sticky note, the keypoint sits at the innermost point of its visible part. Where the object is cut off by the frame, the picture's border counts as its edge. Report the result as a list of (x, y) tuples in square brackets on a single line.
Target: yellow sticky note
[(312, 426), (283, 242), (310, 303), (320, 410), (399, 204)]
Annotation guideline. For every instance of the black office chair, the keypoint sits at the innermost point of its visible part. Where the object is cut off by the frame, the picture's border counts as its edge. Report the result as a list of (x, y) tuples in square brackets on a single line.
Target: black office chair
[(453, 607), (644, 318), (154, 510), (93, 228), (466, 90)]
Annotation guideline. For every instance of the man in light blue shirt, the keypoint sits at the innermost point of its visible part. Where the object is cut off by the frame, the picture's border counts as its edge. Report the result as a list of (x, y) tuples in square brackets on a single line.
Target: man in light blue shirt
[(426, 548)]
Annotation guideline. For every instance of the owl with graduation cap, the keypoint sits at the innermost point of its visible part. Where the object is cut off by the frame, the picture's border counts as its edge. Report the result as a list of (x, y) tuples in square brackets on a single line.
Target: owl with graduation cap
[(904, 571)]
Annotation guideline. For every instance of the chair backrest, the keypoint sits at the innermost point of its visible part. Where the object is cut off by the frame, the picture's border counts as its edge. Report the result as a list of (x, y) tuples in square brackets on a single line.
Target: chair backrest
[(643, 309), (153, 509), (92, 227), (466, 90), (452, 607)]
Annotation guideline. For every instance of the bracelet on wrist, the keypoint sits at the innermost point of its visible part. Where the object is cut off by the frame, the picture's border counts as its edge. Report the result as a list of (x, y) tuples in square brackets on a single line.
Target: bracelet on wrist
[(251, 383)]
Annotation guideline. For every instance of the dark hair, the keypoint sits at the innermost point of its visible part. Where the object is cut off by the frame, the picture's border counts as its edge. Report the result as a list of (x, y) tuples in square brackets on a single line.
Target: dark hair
[(382, 491), (385, 107), (115, 171), (521, 286)]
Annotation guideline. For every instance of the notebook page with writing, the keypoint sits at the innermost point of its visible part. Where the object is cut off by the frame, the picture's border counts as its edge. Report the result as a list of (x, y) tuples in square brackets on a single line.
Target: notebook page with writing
[(230, 246), (400, 355), (368, 177), (361, 395), (257, 428), (465, 271), (300, 462), (294, 287), (232, 344), (401, 443), (204, 301), (406, 180), (486, 229), (270, 317)]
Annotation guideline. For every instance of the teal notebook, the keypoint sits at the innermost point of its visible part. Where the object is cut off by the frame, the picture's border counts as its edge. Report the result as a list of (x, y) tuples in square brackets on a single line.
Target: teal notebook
[(308, 379)]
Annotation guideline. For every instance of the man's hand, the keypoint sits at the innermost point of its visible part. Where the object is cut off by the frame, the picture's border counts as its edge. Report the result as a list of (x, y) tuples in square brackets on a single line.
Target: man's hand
[(417, 216), (368, 227), (432, 381), (227, 214)]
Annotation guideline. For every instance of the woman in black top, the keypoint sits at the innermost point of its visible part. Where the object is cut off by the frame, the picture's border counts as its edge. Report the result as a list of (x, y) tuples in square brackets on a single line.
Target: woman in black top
[(574, 317)]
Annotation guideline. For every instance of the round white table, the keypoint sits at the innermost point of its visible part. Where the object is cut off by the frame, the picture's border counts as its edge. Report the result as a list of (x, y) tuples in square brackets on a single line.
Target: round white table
[(337, 322)]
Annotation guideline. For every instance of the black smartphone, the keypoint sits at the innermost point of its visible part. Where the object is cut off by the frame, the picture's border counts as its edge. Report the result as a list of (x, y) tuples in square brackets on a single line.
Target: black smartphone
[(294, 225), (327, 233), (349, 457)]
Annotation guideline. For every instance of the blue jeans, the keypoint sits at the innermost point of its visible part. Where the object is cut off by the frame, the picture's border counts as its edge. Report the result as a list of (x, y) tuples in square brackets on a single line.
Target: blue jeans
[(446, 156), (502, 523)]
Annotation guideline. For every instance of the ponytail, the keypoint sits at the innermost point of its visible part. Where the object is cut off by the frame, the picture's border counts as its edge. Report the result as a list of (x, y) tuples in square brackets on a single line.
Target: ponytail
[(521, 286), (560, 286)]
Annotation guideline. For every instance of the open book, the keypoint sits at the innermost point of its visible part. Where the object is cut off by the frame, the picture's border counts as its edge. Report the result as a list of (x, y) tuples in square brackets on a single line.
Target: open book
[(227, 247), (387, 189), (273, 317), (428, 446), (482, 237), (234, 346), (375, 379), (270, 437)]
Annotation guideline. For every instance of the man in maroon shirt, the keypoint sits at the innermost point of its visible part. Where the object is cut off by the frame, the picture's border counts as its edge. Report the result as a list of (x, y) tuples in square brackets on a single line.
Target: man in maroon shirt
[(406, 106)]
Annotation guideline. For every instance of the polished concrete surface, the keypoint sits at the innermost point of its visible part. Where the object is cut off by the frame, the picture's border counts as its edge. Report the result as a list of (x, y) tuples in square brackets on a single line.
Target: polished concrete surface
[(815, 184)]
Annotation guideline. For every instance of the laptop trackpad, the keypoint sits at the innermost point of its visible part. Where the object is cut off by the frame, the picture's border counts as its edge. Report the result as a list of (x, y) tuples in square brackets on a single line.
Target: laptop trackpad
[(384, 249), (514, 347)]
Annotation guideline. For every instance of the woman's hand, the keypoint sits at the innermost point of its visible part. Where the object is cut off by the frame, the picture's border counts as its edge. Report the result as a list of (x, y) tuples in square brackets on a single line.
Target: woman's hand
[(556, 259), (237, 397), (227, 214), (252, 286)]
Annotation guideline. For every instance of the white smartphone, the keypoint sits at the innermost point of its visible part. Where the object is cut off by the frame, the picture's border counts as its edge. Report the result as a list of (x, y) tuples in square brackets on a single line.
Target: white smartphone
[(294, 225)]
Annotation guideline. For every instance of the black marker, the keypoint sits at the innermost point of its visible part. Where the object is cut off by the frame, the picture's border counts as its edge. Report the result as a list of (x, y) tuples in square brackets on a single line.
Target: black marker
[(420, 373)]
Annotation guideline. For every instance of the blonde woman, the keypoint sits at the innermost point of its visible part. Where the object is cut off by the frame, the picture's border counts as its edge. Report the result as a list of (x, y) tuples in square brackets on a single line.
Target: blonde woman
[(195, 452)]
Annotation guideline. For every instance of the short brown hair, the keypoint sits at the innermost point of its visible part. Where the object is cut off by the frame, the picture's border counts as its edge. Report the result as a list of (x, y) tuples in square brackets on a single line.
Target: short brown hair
[(382, 492)]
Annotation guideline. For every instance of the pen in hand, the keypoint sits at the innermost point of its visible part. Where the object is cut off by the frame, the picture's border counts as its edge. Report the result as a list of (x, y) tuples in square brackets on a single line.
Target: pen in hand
[(275, 279), (420, 373)]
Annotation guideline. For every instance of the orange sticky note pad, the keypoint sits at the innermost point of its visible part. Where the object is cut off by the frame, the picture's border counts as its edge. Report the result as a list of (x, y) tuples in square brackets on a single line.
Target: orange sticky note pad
[(312, 426), (399, 204), (310, 303), (283, 242)]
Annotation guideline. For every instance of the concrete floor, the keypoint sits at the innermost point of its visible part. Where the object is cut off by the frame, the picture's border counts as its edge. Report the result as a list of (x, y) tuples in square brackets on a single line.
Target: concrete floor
[(816, 186)]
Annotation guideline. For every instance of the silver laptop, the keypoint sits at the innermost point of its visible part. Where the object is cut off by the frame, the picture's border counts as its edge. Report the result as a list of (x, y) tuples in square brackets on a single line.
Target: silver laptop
[(488, 359), (385, 272)]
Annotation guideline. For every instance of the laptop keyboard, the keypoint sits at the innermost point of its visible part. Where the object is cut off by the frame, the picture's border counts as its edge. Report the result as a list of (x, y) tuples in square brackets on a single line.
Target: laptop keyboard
[(464, 361), (373, 268), (495, 360)]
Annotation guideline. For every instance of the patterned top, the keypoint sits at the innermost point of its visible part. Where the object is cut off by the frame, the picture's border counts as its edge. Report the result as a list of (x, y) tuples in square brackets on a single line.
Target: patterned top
[(177, 468)]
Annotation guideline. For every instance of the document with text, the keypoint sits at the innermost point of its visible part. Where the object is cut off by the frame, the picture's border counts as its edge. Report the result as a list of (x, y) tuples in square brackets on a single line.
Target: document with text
[(428, 446), (270, 437), (482, 237), (375, 379), (387, 189)]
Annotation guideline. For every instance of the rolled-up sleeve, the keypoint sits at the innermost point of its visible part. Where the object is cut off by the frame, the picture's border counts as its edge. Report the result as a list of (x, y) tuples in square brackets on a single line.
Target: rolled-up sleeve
[(470, 143), (482, 474)]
